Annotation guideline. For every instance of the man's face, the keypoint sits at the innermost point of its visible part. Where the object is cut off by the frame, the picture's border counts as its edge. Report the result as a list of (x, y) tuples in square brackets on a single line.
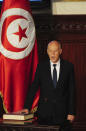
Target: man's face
[(54, 50)]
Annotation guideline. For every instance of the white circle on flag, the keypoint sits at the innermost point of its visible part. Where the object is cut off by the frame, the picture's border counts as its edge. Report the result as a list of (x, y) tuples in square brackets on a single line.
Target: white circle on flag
[(14, 39), (26, 25)]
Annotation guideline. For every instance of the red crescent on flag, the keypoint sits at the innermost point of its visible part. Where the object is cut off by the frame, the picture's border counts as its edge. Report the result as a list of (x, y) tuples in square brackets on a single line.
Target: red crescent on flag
[(7, 44)]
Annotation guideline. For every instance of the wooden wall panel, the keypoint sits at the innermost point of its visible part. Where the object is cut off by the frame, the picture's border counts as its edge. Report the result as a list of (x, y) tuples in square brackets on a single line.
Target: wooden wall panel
[(76, 53)]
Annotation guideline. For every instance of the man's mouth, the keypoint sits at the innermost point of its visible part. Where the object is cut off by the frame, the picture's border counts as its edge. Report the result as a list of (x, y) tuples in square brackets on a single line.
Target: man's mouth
[(52, 57)]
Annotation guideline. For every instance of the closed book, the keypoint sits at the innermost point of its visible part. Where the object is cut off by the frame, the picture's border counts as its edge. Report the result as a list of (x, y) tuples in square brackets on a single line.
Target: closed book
[(18, 122), (12, 116)]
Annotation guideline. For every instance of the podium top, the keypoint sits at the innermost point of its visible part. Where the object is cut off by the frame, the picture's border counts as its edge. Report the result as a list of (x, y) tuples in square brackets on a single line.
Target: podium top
[(26, 124)]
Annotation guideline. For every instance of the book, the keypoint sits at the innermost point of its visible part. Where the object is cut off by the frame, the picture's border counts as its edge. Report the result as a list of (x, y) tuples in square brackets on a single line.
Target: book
[(18, 122), (14, 116)]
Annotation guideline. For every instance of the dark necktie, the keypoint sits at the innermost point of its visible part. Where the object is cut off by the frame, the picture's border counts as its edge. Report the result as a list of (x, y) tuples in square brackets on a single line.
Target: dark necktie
[(54, 75)]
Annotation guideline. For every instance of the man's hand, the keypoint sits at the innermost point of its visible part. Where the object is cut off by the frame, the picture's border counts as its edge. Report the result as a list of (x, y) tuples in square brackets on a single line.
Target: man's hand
[(23, 111), (71, 118)]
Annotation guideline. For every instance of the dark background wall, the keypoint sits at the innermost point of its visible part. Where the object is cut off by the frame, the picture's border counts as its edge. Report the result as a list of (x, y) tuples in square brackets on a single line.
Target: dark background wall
[(71, 31)]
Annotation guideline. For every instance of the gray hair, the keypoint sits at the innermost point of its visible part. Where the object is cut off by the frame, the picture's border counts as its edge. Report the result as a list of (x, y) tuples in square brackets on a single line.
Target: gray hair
[(55, 41)]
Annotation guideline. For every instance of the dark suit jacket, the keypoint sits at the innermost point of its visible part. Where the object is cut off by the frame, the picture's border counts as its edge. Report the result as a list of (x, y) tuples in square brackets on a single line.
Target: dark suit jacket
[(54, 103)]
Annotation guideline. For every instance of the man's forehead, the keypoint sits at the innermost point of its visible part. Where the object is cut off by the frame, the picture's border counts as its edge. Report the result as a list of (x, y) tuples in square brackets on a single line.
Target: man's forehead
[(53, 44)]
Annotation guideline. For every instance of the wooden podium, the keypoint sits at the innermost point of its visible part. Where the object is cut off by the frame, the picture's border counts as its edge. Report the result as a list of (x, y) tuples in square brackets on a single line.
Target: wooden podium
[(26, 127)]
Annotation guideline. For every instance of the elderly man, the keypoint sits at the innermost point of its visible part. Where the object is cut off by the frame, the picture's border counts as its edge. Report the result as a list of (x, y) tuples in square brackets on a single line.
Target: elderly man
[(55, 77)]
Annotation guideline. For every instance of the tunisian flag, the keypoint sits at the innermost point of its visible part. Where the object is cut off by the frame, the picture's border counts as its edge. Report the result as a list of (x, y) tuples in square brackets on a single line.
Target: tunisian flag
[(18, 54)]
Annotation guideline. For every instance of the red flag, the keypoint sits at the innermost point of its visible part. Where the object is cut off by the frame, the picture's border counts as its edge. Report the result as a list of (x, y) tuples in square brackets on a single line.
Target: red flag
[(18, 54)]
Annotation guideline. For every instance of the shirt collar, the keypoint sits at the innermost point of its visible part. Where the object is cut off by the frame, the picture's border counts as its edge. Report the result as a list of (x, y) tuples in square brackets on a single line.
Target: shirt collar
[(57, 63)]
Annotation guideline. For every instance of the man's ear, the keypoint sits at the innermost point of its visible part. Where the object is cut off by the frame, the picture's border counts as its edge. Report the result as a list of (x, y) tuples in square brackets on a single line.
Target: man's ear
[(60, 51)]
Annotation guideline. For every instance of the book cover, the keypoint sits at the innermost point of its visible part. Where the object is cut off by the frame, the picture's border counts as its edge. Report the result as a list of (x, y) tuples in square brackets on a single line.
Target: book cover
[(14, 116), (18, 122)]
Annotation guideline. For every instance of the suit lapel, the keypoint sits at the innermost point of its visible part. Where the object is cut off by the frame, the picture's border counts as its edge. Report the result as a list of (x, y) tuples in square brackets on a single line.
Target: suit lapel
[(49, 73), (61, 72), (48, 69)]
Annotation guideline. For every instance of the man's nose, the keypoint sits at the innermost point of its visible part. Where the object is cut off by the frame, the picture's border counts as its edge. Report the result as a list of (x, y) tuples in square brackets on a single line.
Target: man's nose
[(53, 53)]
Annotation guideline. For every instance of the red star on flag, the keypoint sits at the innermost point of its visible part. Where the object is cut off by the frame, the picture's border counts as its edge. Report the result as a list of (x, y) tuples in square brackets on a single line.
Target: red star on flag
[(21, 33)]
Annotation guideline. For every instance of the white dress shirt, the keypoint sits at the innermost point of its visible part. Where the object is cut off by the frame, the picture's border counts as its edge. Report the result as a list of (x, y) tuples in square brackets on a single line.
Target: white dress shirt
[(57, 68)]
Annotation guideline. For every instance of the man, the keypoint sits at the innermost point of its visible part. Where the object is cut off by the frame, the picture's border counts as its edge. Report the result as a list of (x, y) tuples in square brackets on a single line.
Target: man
[(55, 77)]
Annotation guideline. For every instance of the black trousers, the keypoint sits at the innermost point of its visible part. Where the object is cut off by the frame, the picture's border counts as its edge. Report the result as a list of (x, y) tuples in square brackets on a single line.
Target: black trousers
[(65, 126)]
